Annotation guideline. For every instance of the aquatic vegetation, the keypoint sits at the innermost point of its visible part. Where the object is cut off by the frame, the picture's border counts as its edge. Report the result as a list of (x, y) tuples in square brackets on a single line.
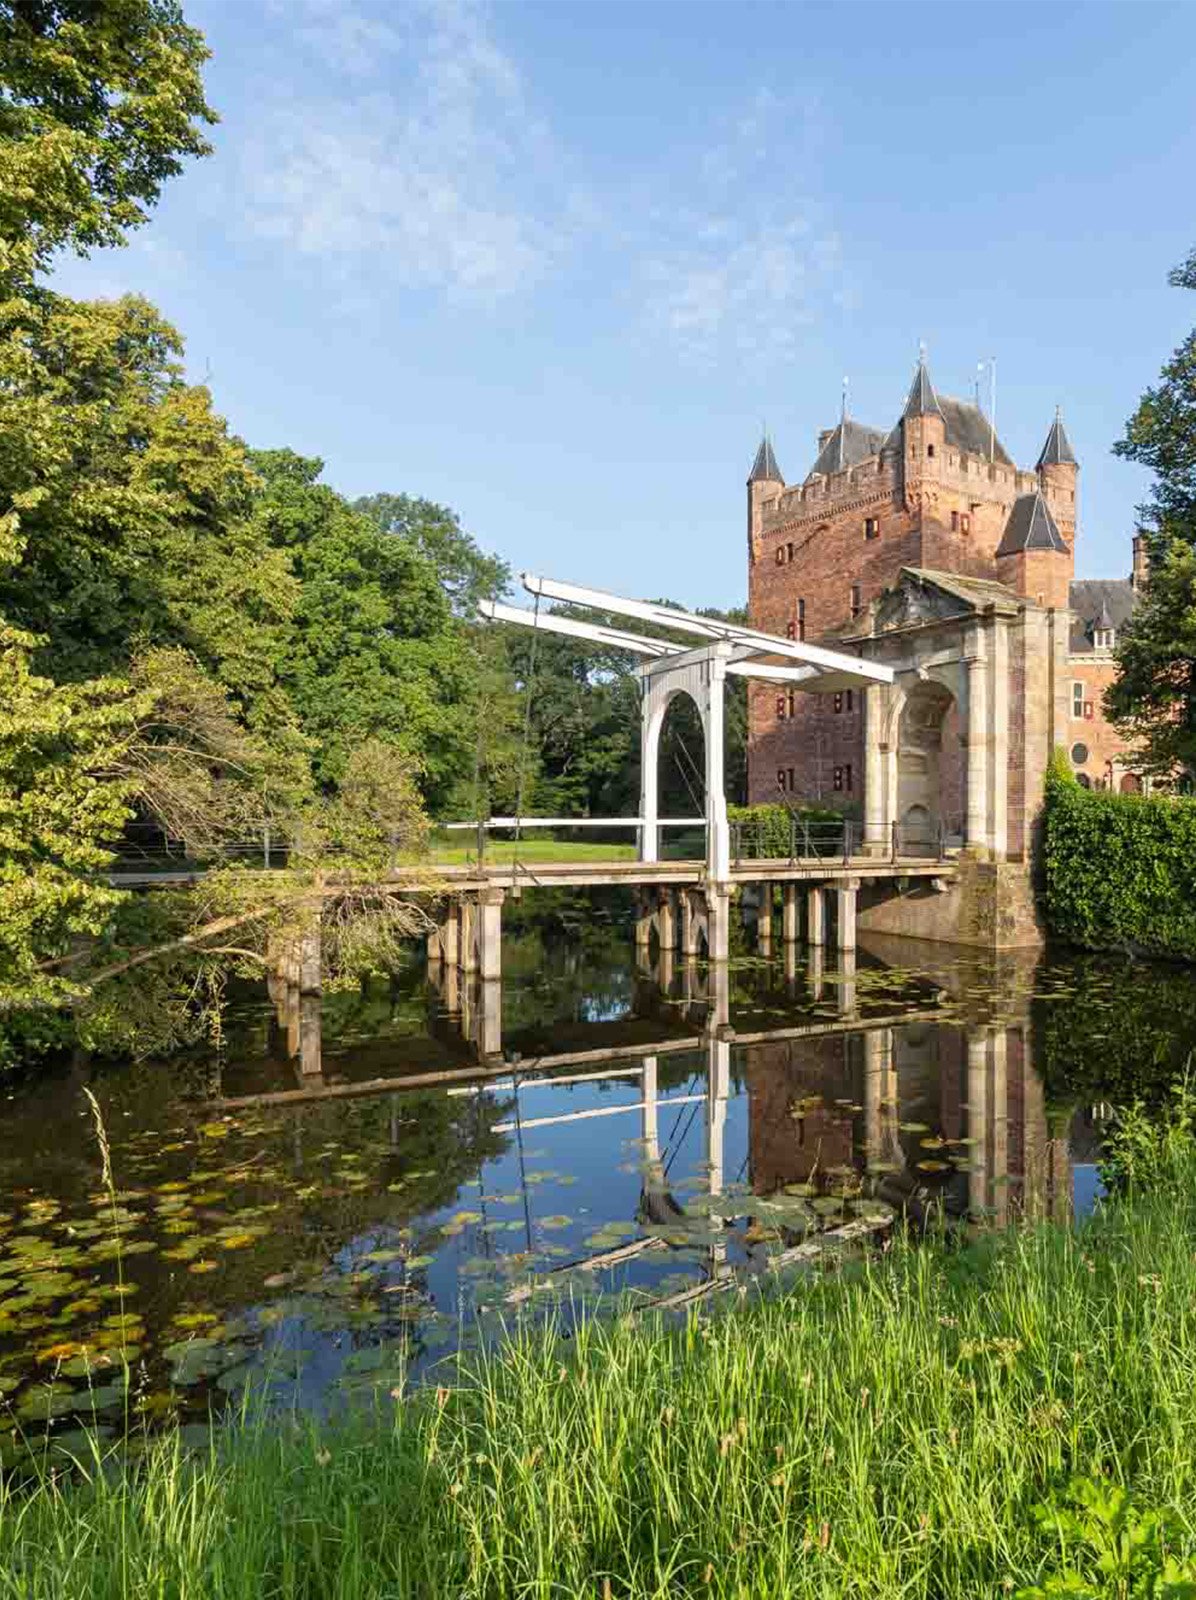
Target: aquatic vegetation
[(886, 1426)]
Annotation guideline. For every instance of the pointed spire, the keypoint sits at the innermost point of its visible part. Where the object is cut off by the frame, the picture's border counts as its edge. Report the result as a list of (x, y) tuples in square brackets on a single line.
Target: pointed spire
[(922, 400), (1104, 621), (764, 468), (1057, 451)]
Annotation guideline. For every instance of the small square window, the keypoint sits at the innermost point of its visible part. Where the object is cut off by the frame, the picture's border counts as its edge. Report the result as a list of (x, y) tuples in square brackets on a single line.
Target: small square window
[(871, 527), (839, 778), (801, 619), (1077, 699), (850, 700), (930, 451), (857, 604), (780, 707), (791, 630), (955, 522), (838, 703)]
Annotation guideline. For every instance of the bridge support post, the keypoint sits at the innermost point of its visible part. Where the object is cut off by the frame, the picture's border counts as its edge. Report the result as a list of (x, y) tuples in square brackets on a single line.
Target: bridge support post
[(876, 825), (816, 915), (845, 894), (450, 934), (691, 924), (846, 984), (310, 989), (469, 935), (764, 920), (881, 1141), (789, 914), (666, 914), (718, 921), (643, 924), (816, 970), (489, 933)]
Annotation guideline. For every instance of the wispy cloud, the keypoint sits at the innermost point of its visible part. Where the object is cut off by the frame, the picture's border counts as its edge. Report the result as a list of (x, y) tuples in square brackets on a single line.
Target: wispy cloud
[(418, 157), (748, 257)]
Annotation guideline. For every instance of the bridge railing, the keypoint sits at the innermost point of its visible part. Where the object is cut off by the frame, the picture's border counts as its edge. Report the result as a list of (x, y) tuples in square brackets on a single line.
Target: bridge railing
[(756, 839)]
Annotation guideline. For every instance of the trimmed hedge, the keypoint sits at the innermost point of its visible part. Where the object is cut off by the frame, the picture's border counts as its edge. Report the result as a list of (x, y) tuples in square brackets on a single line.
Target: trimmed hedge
[(765, 830), (1120, 869)]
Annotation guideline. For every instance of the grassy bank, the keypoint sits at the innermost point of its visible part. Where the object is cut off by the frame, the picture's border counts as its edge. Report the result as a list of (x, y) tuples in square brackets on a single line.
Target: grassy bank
[(885, 1430), (458, 849)]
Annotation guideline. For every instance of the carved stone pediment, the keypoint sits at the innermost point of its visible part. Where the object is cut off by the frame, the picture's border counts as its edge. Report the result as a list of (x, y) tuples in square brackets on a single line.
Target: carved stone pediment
[(911, 605)]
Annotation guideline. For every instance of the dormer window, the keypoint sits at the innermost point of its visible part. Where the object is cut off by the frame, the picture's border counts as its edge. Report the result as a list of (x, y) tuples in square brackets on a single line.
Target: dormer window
[(1104, 638)]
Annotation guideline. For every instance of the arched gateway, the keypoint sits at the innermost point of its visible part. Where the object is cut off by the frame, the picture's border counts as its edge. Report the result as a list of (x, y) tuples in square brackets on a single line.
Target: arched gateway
[(956, 745)]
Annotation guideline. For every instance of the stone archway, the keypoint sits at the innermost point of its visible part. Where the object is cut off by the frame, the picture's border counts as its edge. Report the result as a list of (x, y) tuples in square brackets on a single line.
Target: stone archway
[(931, 769)]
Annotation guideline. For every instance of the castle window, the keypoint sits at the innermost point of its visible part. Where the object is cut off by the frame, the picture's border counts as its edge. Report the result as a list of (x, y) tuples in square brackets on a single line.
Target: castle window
[(857, 604), (838, 703), (850, 699), (955, 522), (801, 619), (780, 555), (785, 706), (965, 523), (1084, 781), (847, 777), (1104, 638), (1077, 699), (780, 707), (839, 778), (930, 450), (871, 527), (1079, 754), (791, 630)]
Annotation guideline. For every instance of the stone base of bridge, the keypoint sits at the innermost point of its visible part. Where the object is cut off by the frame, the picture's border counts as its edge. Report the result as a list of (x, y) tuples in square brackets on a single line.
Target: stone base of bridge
[(294, 983), (987, 905)]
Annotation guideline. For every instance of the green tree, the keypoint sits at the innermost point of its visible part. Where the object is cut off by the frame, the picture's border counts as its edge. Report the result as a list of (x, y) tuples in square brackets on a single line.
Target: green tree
[(373, 652), (1153, 699), (466, 572), (100, 102), (133, 503)]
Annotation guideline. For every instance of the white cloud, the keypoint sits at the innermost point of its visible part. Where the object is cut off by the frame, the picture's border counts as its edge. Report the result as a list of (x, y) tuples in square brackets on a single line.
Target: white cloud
[(419, 158), (750, 259)]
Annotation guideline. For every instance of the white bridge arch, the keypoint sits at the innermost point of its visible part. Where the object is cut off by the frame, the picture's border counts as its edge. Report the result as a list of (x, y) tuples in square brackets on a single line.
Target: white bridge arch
[(698, 670)]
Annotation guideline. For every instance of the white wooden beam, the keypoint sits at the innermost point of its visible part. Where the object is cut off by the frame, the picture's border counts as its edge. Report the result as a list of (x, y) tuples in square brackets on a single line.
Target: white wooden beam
[(552, 622), (706, 627)]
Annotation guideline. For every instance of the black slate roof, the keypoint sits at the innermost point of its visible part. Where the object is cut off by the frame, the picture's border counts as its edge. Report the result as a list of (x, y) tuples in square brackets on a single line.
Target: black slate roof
[(849, 444), (1093, 600), (1030, 527), (764, 468), (1057, 451)]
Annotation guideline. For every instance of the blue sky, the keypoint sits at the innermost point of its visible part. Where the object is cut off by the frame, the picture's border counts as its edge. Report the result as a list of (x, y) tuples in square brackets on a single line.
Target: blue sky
[(552, 264)]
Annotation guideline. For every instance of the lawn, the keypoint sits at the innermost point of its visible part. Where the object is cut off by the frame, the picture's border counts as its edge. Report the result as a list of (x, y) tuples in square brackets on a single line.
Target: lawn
[(460, 849)]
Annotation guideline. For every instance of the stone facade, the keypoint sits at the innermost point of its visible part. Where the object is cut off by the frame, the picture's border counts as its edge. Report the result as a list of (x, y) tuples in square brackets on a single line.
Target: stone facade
[(938, 495)]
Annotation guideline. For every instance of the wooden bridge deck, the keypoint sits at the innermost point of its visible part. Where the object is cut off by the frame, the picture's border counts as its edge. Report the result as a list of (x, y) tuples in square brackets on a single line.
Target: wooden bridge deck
[(432, 876)]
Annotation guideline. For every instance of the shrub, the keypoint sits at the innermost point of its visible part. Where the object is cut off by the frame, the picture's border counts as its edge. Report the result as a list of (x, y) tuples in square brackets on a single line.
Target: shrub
[(765, 831), (1120, 869)]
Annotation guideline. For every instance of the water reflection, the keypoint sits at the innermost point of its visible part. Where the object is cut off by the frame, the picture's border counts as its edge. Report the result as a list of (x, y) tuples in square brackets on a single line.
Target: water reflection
[(595, 1124)]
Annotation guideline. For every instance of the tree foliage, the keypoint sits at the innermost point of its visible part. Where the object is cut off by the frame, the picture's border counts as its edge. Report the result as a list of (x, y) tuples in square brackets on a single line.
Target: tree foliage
[(1153, 700), (100, 102), (466, 572)]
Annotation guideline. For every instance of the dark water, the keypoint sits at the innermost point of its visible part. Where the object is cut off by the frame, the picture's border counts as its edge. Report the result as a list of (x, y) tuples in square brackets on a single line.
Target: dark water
[(342, 1240)]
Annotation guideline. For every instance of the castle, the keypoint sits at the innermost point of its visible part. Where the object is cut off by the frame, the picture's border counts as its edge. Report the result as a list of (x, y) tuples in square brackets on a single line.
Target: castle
[(890, 537)]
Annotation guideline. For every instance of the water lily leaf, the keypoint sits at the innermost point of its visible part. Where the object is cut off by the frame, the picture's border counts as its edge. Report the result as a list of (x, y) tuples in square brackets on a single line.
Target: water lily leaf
[(415, 1262), (914, 1127), (215, 1130), (556, 1222), (933, 1166), (238, 1241), (200, 1267)]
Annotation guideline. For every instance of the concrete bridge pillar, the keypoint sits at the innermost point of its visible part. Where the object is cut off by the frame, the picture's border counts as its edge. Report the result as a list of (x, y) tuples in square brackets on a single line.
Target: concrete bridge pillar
[(789, 915), (666, 915), (469, 934), (845, 895), (764, 920), (718, 921), (489, 933), (877, 827), (310, 1000), (816, 915)]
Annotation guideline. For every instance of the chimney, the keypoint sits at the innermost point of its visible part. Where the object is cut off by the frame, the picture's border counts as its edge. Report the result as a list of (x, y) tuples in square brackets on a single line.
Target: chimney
[(1141, 563), (823, 435)]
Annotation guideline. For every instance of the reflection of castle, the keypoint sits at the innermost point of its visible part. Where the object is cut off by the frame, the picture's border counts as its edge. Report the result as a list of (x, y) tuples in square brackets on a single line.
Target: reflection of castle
[(902, 531), (947, 1111)]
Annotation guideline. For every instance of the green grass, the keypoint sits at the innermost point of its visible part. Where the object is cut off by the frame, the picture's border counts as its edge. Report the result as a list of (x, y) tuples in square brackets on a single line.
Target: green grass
[(451, 853), (879, 1430)]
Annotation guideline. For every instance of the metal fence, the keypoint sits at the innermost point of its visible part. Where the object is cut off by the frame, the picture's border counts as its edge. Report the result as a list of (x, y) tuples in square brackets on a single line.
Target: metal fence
[(839, 841)]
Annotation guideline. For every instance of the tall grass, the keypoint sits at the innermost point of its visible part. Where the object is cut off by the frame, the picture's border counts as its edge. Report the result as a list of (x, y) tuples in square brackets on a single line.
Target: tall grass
[(882, 1429)]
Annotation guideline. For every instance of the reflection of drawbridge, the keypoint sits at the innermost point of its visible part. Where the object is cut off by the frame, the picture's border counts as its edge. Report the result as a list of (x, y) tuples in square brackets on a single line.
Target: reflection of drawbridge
[(928, 1112)]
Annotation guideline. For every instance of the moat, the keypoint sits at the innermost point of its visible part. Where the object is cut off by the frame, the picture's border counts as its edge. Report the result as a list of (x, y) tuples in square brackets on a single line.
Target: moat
[(620, 1149)]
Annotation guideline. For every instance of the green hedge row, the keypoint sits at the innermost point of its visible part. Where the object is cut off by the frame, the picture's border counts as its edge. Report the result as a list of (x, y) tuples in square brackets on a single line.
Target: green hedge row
[(1120, 869), (765, 831)]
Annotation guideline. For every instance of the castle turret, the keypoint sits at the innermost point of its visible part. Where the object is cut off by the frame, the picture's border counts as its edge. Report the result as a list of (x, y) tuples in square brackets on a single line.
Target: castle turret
[(923, 432), (1058, 471), (764, 483), (1033, 558)]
